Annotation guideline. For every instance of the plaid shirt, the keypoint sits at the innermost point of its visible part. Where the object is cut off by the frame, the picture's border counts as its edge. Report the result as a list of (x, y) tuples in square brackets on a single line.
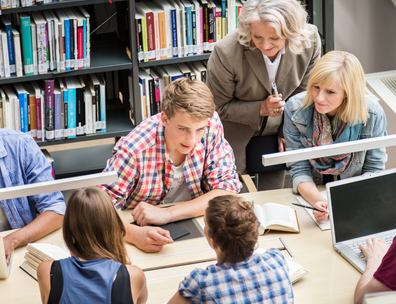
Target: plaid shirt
[(260, 279), (145, 171)]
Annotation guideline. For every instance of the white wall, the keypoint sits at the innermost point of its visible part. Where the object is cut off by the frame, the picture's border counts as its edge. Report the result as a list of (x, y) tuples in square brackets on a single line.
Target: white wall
[(367, 28)]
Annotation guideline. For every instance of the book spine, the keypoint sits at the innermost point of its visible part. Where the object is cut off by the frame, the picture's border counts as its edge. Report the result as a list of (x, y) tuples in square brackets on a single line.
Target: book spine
[(94, 109), (80, 44), (88, 112), (98, 120), (84, 45), (103, 106), (71, 112), (75, 31), (42, 49), (157, 96), (194, 33), (201, 41), (88, 35), (50, 45), (27, 45), (62, 114), (34, 48), (210, 29), (72, 43), (58, 117), (33, 116), (47, 46), (150, 36), (23, 113), (189, 33), (1, 57), (184, 31), (223, 18), (80, 110), (67, 44), (6, 61), (157, 37), (214, 29), (11, 53), (169, 32), (38, 114), (43, 113), (139, 37), (179, 25), (65, 114), (145, 40), (49, 110), (162, 35), (203, 76), (18, 56), (57, 45), (218, 25), (1, 114), (152, 97), (62, 56), (174, 33)]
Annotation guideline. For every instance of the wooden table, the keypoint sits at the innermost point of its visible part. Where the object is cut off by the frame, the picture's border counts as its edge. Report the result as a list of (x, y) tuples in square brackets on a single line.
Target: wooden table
[(331, 279)]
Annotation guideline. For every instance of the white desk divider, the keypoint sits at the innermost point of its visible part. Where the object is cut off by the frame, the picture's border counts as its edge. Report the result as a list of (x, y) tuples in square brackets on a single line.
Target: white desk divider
[(333, 149), (59, 185)]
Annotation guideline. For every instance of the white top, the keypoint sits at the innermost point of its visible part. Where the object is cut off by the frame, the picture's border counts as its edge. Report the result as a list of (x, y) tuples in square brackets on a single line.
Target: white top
[(4, 224), (178, 191), (272, 67)]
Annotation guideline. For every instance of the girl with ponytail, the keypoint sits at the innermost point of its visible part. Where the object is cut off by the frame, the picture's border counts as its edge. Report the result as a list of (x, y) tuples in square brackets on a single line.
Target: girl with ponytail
[(240, 276)]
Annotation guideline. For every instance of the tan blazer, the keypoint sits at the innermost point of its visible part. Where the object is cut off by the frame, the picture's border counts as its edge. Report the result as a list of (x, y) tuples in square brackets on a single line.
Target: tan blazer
[(238, 79)]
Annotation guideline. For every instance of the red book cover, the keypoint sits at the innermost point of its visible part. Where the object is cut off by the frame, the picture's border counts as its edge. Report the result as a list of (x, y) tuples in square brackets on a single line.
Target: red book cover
[(80, 44), (150, 35)]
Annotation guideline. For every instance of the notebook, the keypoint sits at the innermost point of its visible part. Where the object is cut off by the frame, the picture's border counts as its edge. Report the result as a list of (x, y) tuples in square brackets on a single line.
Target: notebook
[(360, 208), (4, 267)]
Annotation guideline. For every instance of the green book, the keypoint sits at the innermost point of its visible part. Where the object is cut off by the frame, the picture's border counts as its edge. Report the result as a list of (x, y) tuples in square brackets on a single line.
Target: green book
[(26, 44)]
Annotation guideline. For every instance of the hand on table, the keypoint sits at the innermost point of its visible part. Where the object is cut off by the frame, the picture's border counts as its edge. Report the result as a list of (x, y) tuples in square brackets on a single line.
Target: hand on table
[(321, 216), (145, 214), (151, 239), (374, 251), (272, 106)]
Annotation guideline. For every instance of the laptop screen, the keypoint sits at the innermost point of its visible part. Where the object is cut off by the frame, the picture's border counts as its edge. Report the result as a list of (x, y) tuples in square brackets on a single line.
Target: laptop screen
[(364, 207)]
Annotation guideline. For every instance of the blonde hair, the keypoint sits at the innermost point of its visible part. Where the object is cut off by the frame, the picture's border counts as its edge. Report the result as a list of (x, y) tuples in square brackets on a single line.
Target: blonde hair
[(287, 17), (191, 97), (344, 69)]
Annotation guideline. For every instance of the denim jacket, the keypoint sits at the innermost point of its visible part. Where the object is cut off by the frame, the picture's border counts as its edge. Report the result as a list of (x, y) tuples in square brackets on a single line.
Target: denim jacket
[(295, 132)]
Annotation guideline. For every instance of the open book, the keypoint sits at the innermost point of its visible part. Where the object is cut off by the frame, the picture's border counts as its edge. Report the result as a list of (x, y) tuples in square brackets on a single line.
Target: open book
[(276, 217), (37, 253)]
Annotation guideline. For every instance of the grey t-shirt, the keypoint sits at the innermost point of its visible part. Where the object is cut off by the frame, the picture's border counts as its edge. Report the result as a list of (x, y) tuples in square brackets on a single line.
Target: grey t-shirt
[(4, 224)]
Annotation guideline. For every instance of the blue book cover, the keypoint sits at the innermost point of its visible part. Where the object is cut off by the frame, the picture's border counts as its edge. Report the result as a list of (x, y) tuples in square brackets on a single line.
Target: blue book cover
[(71, 112), (173, 78), (194, 33), (23, 107), (27, 50), (67, 44), (223, 8), (6, 25), (189, 30), (174, 32), (85, 43), (58, 115)]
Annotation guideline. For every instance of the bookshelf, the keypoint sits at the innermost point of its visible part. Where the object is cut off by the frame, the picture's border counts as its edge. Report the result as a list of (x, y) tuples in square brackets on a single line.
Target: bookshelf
[(109, 54)]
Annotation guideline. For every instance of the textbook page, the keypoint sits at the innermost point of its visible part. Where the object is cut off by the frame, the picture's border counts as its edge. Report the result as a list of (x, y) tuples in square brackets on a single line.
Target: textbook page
[(323, 225), (276, 214)]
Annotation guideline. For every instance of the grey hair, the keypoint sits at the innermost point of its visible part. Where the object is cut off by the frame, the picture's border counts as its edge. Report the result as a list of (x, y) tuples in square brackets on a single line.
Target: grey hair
[(287, 17)]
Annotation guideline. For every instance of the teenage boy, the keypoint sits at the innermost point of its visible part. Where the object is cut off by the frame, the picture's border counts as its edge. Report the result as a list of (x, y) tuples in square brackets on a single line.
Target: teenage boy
[(177, 155)]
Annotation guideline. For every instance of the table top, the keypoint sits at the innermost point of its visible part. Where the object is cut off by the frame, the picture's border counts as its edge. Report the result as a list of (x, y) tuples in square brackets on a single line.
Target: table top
[(331, 278)]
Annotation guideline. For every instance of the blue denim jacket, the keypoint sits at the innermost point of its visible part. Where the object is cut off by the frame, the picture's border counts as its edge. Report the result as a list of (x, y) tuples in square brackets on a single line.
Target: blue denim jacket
[(21, 163), (295, 132)]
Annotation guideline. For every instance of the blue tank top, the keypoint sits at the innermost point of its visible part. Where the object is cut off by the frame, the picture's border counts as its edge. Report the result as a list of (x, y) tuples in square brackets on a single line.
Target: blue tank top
[(87, 281)]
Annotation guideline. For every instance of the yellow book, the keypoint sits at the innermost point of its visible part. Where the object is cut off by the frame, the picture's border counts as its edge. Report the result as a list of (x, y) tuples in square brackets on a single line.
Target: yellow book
[(162, 32)]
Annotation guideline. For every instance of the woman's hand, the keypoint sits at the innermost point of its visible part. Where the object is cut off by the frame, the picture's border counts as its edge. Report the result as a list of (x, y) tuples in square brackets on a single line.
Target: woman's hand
[(272, 106), (321, 216)]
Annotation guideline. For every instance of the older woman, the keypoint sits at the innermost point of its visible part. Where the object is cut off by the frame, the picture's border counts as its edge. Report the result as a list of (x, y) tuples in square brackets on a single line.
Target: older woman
[(334, 109), (273, 43)]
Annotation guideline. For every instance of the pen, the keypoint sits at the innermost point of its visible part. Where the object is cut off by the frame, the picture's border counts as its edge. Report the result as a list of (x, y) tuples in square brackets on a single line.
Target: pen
[(309, 207), (275, 88)]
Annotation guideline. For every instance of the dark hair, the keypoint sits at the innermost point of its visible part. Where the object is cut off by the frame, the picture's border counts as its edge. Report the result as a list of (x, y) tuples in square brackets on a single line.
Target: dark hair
[(233, 225), (92, 228)]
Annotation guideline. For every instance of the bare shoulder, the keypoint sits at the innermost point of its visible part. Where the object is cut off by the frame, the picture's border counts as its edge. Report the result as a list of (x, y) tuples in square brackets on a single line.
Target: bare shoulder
[(135, 272), (44, 269)]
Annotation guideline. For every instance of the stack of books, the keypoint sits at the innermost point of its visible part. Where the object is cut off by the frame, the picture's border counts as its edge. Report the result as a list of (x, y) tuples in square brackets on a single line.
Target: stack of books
[(5, 4), (37, 253), (45, 41), (179, 28)]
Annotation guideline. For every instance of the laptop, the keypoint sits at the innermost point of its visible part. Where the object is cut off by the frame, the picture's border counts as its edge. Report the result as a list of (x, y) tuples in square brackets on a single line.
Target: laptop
[(4, 267), (362, 207)]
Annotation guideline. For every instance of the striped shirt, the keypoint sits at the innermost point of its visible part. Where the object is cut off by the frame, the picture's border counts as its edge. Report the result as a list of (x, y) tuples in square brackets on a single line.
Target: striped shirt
[(145, 169)]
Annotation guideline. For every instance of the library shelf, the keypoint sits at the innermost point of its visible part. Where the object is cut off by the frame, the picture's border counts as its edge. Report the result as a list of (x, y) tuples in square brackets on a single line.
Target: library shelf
[(174, 60)]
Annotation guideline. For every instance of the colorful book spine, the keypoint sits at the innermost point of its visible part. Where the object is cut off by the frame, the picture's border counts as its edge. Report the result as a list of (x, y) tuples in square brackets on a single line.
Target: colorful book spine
[(218, 25), (10, 44), (33, 116), (71, 111), (162, 35), (49, 110), (150, 36), (201, 39), (80, 46), (174, 32), (145, 41), (18, 53), (23, 112), (103, 104), (6, 61), (27, 45), (1, 58), (85, 43), (72, 46), (189, 33), (194, 33), (58, 115), (223, 18), (139, 37), (67, 44), (34, 48), (38, 114)]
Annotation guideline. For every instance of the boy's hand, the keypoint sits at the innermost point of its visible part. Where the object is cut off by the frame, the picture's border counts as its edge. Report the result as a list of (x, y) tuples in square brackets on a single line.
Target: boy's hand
[(145, 214), (150, 239)]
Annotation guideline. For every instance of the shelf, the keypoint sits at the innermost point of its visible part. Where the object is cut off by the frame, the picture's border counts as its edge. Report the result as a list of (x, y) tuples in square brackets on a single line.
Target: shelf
[(102, 60), (54, 5), (174, 60), (118, 124)]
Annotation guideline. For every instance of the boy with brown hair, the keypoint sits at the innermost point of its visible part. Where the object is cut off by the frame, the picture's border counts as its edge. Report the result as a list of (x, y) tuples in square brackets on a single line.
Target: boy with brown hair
[(177, 155)]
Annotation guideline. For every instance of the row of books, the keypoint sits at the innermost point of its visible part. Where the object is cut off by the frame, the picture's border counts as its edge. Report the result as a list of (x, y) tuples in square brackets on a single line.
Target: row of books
[(5, 4), (179, 28), (34, 44), (56, 109), (152, 82)]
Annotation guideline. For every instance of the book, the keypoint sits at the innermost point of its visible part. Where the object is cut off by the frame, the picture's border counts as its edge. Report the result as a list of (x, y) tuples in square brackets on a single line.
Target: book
[(198, 28), (276, 217), (183, 28), (178, 49), (32, 112), (173, 72), (200, 68), (87, 35), (51, 39), (157, 94), (27, 51), (81, 38), (7, 111), (65, 41), (102, 102), (39, 106), (5, 25), (4, 48), (184, 69), (57, 37), (12, 109), (161, 51), (71, 106), (2, 59), (64, 99), (18, 52), (23, 107), (189, 26), (386, 297), (80, 106), (49, 109), (150, 31), (95, 91), (33, 33), (58, 111), (139, 36), (39, 252), (167, 8), (42, 43), (88, 127), (2, 122)]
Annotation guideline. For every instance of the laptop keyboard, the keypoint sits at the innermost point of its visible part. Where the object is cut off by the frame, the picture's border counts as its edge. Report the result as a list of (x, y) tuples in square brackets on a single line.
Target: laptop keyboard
[(355, 246)]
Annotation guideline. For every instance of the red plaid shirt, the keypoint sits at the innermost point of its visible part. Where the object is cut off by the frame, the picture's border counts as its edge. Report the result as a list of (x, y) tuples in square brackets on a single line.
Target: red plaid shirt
[(144, 166)]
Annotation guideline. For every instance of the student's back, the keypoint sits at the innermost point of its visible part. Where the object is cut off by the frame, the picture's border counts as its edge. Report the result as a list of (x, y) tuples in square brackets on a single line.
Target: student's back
[(96, 271)]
